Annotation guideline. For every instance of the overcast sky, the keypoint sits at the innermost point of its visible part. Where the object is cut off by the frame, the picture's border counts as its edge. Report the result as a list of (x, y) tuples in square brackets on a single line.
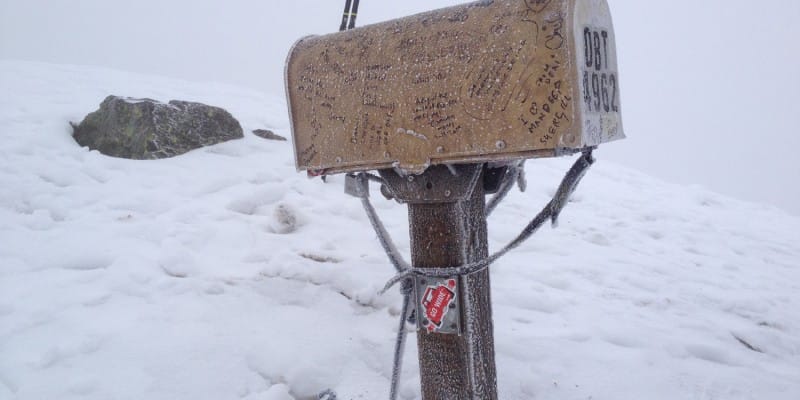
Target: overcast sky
[(710, 88)]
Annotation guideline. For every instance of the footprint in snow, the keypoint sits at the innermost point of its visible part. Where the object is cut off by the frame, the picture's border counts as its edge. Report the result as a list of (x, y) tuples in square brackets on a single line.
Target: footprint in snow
[(598, 239), (709, 353)]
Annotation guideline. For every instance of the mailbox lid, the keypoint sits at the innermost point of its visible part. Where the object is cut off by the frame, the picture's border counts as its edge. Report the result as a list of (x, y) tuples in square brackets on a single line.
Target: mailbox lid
[(490, 80)]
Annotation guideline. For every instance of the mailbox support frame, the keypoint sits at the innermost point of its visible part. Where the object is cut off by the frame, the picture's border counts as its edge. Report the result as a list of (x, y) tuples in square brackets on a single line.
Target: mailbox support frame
[(519, 95)]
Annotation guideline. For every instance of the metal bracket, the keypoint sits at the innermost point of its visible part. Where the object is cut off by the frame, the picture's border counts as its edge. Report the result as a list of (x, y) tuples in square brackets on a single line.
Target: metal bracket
[(438, 184), (493, 178), (356, 185), (438, 305)]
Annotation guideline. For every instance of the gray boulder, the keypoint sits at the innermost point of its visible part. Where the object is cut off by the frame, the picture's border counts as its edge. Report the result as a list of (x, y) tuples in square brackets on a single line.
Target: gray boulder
[(143, 129)]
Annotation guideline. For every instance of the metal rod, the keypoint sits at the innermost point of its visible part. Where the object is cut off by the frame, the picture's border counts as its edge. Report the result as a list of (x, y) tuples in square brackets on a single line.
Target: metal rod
[(353, 15), (345, 16)]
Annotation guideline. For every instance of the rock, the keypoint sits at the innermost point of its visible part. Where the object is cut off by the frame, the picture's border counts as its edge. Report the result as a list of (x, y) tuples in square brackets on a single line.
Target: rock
[(285, 219), (143, 129), (268, 134)]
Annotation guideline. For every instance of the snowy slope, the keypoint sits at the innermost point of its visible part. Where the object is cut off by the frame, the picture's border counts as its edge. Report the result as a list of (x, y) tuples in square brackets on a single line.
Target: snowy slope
[(177, 279)]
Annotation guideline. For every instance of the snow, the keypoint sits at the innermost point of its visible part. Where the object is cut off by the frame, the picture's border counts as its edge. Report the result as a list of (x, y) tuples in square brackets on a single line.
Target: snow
[(225, 274)]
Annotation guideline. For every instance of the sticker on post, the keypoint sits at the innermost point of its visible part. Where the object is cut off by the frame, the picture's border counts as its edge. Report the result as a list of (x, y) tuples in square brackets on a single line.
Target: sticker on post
[(438, 305)]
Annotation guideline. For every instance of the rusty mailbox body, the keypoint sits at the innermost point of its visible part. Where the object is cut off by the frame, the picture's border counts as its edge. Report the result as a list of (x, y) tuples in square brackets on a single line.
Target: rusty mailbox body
[(485, 81)]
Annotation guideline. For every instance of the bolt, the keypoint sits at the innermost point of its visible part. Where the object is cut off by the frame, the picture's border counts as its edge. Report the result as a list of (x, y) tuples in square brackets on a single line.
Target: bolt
[(500, 144), (411, 178), (447, 193), (338, 160)]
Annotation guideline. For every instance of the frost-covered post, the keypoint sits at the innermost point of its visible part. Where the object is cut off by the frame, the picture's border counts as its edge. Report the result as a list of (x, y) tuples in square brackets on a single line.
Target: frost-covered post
[(452, 366), (448, 229)]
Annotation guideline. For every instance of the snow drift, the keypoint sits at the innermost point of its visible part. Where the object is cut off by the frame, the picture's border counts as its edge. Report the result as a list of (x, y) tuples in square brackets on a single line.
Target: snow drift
[(224, 274)]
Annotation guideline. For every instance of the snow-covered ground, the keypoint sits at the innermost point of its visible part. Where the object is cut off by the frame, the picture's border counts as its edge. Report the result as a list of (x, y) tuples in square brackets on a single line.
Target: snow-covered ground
[(181, 278)]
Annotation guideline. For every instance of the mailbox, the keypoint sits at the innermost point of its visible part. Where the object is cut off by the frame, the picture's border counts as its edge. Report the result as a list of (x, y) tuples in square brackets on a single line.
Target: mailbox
[(485, 81)]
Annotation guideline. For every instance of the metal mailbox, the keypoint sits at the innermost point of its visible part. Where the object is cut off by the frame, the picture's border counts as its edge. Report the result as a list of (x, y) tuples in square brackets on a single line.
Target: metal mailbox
[(486, 81)]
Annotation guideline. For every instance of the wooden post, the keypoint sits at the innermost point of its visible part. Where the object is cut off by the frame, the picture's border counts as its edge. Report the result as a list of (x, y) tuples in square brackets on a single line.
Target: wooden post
[(454, 367)]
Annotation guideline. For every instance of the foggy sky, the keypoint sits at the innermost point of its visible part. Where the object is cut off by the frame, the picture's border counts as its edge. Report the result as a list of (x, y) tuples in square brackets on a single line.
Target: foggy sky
[(710, 89)]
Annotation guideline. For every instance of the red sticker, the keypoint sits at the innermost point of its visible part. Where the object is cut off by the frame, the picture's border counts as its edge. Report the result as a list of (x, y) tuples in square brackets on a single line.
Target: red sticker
[(436, 303)]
